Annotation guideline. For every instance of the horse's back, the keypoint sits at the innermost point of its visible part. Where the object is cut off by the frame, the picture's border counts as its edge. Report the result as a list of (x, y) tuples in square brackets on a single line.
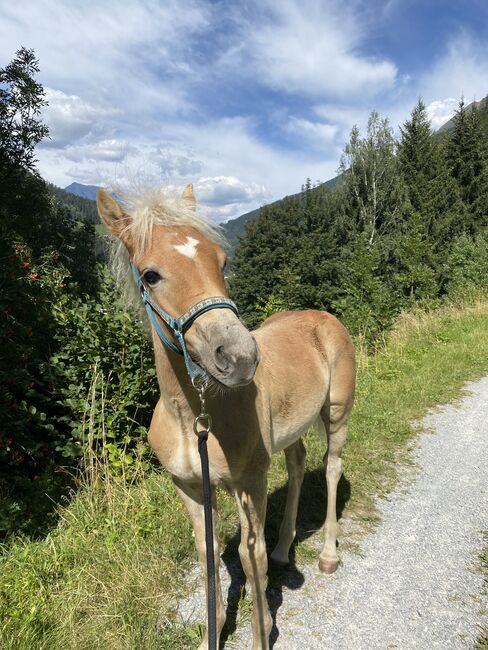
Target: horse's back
[(318, 330)]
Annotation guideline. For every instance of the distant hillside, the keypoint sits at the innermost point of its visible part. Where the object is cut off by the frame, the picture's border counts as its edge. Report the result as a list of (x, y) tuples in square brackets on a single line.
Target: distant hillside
[(81, 209), (234, 228), (447, 126), (85, 191)]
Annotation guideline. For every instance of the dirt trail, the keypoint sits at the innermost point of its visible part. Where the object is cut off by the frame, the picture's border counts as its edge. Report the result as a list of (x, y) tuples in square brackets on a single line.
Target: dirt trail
[(415, 584)]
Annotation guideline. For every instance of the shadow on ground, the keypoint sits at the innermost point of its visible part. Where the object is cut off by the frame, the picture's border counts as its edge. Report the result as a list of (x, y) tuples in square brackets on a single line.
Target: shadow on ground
[(311, 517)]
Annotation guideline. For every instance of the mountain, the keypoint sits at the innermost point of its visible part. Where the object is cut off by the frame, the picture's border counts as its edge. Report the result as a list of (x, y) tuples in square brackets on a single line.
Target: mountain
[(447, 126), (85, 191), (81, 209), (234, 228)]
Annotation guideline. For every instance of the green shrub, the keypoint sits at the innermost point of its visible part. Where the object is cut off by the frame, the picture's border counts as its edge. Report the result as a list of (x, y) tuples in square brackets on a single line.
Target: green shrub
[(104, 365), (468, 265)]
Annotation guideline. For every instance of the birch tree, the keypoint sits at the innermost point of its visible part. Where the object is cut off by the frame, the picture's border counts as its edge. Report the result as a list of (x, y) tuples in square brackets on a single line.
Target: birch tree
[(369, 169)]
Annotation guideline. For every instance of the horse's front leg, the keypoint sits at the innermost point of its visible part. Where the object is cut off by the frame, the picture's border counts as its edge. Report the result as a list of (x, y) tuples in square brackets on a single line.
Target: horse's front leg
[(251, 500), (192, 496)]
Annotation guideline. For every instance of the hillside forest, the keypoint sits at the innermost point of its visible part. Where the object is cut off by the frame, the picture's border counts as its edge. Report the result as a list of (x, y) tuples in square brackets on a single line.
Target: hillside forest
[(404, 225)]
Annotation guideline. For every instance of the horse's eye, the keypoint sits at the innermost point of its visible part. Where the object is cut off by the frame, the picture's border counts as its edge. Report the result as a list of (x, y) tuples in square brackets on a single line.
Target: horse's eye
[(151, 277)]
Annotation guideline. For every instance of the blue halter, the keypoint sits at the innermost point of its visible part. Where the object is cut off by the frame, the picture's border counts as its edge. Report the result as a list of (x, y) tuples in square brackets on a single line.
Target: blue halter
[(178, 326)]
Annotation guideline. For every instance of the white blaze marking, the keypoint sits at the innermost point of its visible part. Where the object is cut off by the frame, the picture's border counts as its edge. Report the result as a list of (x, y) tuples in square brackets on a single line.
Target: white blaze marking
[(189, 248)]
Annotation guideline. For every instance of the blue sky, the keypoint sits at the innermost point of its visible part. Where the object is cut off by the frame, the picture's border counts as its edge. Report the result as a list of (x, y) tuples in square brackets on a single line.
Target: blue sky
[(244, 99)]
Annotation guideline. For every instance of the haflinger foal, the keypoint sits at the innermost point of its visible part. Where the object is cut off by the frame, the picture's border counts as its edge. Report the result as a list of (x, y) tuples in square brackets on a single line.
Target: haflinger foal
[(269, 386)]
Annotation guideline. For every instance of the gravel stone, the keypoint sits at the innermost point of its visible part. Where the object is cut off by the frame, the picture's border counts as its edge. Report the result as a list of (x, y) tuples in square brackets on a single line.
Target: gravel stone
[(415, 584)]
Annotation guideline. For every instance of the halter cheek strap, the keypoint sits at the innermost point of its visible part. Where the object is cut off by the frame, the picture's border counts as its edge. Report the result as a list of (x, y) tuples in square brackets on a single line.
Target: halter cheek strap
[(178, 326)]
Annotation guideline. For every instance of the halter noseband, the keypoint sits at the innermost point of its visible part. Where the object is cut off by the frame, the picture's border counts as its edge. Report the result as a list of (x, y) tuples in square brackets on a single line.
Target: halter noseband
[(178, 326)]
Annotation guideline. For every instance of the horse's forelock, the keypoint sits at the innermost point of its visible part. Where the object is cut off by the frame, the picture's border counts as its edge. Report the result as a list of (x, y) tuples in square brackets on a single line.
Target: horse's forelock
[(149, 208)]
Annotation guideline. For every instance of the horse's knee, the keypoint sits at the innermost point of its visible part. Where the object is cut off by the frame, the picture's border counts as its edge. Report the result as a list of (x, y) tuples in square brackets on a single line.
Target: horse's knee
[(252, 551), (333, 469)]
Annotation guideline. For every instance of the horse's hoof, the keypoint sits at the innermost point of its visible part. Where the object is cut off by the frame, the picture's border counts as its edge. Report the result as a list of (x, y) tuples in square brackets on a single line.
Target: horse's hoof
[(328, 566)]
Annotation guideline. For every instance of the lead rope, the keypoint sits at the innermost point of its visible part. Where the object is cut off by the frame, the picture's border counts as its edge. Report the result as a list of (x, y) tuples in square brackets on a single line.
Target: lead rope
[(204, 420)]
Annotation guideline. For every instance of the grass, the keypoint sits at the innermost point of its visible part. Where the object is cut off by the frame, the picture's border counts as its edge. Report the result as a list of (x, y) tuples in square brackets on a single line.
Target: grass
[(482, 643), (109, 575)]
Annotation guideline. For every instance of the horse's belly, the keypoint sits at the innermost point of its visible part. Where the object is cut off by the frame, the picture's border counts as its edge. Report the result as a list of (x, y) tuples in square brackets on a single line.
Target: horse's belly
[(284, 434)]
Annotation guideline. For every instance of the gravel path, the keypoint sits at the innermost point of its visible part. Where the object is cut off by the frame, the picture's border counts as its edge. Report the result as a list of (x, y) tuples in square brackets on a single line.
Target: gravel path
[(415, 584)]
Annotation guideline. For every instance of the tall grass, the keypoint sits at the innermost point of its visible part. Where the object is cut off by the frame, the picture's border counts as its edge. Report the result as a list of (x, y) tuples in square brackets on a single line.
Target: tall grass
[(110, 574)]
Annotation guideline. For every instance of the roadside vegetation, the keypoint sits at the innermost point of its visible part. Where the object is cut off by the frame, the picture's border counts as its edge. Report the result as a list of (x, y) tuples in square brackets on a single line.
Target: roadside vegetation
[(483, 640), (111, 571), (95, 544)]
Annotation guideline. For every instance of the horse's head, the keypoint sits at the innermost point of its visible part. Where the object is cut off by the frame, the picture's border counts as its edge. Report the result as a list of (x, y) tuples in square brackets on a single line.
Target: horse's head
[(180, 265)]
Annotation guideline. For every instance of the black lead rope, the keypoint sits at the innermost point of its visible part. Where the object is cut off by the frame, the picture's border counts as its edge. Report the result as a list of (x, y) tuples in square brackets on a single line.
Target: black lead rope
[(204, 420), (207, 509)]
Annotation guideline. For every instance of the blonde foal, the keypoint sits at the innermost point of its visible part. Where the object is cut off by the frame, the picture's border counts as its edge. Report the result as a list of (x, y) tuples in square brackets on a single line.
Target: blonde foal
[(269, 386)]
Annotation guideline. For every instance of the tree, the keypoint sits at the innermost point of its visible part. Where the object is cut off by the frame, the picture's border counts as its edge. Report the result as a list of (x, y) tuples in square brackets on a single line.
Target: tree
[(414, 273), (435, 210), (419, 157), (369, 169), (467, 158), (21, 100), (364, 303), (266, 248), (46, 259)]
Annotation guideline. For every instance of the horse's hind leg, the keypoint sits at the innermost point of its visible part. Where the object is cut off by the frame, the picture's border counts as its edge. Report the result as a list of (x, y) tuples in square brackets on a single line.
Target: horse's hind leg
[(335, 421), (295, 465)]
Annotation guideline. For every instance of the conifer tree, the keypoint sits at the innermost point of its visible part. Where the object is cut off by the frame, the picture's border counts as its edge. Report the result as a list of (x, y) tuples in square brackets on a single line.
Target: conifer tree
[(418, 156), (265, 248), (434, 210), (467, 157)]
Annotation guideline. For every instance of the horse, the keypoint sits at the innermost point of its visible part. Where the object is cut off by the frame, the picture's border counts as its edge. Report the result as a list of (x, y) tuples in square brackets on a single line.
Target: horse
[(268, 386)]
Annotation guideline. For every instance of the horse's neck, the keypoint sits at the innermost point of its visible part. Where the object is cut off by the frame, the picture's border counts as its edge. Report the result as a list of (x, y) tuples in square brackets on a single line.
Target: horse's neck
[(173, 379)]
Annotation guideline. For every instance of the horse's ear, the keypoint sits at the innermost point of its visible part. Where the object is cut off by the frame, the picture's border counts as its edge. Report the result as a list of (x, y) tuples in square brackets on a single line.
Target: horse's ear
[(189, 197), (112, 215)]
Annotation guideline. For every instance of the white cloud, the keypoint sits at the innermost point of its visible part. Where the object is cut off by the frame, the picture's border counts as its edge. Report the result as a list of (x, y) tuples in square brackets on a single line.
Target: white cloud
[(317, 134), (86, 175), (345, 115), (103, 150), (69, 117), (233, 171), (131, 88), (312, 47), (461, 70), (440, 111), (174, 162), (227, 190), (111, 52)]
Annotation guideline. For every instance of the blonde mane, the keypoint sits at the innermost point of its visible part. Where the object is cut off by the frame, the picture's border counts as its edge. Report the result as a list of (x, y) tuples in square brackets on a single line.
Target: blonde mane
[(149, 208)]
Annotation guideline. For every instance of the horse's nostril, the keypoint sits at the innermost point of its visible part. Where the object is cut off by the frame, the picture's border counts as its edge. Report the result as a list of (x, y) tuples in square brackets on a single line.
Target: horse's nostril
[(221, 359)]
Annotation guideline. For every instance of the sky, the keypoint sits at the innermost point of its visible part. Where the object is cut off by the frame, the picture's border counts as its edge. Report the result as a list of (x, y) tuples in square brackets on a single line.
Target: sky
[(246, 100)]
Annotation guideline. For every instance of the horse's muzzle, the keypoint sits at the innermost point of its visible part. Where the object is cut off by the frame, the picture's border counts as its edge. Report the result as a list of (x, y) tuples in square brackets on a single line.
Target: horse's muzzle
[(229, 353), (236, 363)]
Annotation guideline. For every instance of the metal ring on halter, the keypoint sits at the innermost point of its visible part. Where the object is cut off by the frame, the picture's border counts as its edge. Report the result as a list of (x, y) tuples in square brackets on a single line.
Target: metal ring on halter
[(200, 419), (198, 383)]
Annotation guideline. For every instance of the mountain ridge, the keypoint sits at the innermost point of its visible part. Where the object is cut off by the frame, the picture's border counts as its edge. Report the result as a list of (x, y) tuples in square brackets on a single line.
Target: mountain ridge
[(85, 191), (234, 228)]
